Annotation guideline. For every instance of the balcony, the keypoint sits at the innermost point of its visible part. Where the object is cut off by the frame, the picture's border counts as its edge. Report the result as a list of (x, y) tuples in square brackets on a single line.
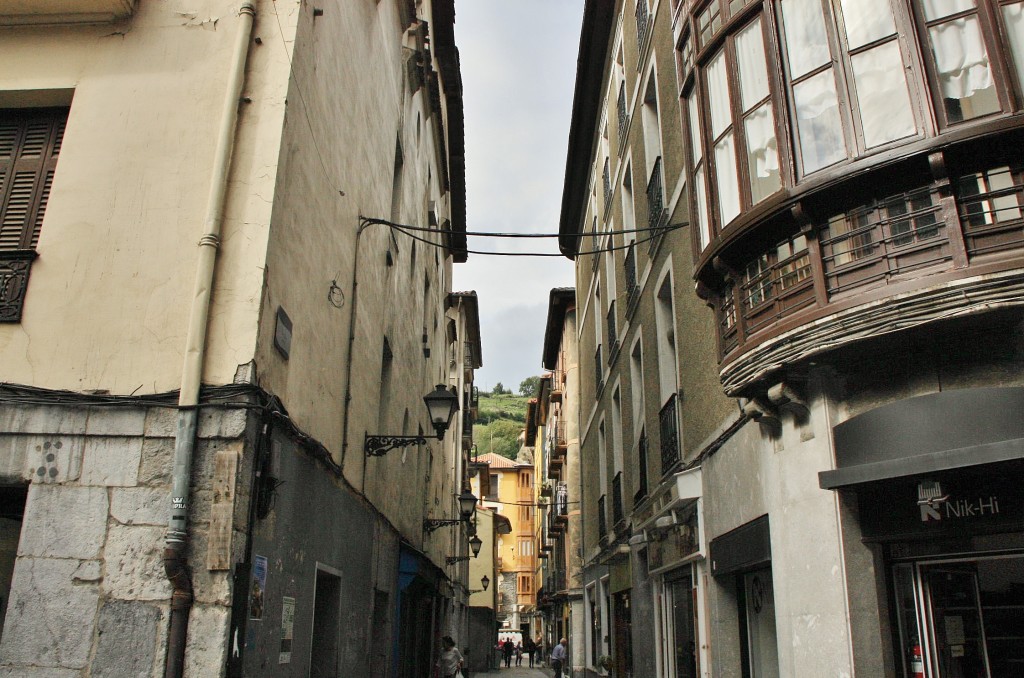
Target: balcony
[(623, 113), (560, 508), (613, 339), (669, 427), (643, 24), (15, 266), (599, 369), (602, 520), (618, 517), (632, 289), (641, 463), (656, 212), (895, 251), (62, 12), (557, 382), (606, 178)]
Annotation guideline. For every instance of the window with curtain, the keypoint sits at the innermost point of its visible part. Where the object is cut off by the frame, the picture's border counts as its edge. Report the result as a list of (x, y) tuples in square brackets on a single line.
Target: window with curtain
[(838, 51), (1013, 18), (742, 147), (960, 57)]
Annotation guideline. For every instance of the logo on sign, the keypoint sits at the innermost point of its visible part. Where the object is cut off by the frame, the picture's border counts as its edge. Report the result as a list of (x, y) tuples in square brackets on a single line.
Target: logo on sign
[(936, 506)]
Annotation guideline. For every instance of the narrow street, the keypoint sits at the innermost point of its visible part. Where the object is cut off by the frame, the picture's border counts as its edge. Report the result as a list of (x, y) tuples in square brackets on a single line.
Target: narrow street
[(516, 672)]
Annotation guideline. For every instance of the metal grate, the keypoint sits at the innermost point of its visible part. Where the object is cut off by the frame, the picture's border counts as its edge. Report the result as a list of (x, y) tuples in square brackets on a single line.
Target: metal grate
[(599, 370), (602, 520), (613, 339), (643, 23), (641, 462), (617, 514), (655, 197), (669, 435)]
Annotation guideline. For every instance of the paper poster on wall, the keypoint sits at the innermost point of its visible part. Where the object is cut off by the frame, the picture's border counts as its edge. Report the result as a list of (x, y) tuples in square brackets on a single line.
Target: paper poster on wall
[(287, 626), (259, 587)]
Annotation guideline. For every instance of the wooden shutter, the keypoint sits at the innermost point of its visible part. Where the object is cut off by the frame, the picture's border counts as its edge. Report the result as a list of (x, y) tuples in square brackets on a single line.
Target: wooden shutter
[(30, 142)]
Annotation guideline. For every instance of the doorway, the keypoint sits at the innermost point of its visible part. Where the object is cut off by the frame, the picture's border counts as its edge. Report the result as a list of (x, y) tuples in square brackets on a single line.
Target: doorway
[(961, 618)]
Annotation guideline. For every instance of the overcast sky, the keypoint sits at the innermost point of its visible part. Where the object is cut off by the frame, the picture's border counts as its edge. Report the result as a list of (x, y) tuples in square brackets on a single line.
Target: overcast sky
[(518, 72)]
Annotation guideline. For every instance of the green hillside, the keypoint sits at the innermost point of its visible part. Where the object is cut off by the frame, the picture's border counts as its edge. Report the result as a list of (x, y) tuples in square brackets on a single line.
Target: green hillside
[(501, 418)]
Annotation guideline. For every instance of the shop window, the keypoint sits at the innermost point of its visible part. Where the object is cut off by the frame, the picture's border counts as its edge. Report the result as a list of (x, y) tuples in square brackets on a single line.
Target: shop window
[(12, 511)]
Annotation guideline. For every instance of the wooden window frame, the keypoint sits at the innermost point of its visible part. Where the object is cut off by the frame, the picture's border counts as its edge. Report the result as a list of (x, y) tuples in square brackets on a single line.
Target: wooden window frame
[(697, 84), (994, 35)]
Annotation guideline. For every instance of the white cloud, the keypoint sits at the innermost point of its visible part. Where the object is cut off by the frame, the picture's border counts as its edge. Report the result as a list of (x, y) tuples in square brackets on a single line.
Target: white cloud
[(518, 71)]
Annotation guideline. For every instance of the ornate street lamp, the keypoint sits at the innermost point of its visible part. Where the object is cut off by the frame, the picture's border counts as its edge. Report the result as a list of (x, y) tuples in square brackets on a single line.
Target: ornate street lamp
[(467, 504), (474, 544), (442, 404)]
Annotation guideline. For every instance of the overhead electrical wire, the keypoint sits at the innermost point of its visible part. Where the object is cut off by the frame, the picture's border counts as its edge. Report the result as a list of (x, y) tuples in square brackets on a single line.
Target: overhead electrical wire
[(411, 232)]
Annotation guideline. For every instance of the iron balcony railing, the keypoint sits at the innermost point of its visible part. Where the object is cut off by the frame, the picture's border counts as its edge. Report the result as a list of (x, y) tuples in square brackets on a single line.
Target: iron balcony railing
[(602, 520), (599, 369), (641, 462), (561, 505), (607, 179), (613, 339), (15, 266), (668, 423), (617, 515), (655, 193), (643, 23), (630, 266), (623, 114)]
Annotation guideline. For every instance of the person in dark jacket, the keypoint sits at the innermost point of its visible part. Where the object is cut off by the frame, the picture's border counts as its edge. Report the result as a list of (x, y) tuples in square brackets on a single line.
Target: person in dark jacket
[(529, 647), (506, 651)]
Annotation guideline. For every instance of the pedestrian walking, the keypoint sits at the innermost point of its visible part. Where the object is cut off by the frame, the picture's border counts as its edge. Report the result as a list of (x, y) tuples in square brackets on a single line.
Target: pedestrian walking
[(519, 653), (530, 648), (506, 651), (558, 657), (450, 662)]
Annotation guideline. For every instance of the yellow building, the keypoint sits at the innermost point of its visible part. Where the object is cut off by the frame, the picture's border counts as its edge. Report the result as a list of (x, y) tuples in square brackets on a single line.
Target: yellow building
[(509, 491)]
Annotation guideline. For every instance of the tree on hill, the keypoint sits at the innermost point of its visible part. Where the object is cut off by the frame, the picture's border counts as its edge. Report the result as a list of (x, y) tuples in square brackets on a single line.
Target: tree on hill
[(528, 387), (500, 437), (499, 389)]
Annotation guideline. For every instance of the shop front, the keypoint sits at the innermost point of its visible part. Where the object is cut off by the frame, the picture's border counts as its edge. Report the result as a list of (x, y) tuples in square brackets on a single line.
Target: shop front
[(939, 497)]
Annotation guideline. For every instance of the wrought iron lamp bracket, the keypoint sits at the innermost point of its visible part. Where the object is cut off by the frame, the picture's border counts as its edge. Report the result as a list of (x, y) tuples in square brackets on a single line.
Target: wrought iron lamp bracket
[(377, 446), (431, 524), (451, 560)]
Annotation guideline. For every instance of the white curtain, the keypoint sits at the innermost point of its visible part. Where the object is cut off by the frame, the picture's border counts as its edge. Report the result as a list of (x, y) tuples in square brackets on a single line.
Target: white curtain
[(728, 181), (718, 95), (882, 93), (936, 9), (866, 21), (1014, 16), (751, 61), (762, 149), (819, 125), (961, 58), (806, 42)]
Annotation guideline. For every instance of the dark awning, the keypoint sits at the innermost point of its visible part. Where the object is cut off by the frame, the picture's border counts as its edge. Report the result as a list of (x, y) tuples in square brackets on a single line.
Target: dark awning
[(935, 432)]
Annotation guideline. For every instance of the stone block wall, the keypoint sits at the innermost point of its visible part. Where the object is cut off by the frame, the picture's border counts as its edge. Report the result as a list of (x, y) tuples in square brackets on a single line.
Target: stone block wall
[(89, 595)]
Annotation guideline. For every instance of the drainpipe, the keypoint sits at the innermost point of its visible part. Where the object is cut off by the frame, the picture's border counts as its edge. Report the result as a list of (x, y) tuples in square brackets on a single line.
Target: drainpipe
[(352, 316), (175, 558)]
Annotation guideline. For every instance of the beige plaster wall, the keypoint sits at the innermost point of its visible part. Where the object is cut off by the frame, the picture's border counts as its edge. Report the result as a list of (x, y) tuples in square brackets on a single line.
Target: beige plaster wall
[(108, 297)]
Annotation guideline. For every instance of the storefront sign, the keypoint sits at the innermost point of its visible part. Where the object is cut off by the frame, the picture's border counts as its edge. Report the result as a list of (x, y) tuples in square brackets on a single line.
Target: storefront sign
[(258, 588), (960, 503)]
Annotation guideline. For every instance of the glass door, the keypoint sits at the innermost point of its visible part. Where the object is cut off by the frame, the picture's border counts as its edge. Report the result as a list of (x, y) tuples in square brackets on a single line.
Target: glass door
[(961, 618), (762, 643)]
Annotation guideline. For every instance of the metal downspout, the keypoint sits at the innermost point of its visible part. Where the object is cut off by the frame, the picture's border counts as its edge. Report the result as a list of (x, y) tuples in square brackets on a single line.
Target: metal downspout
[(353, 316), (175, 557)]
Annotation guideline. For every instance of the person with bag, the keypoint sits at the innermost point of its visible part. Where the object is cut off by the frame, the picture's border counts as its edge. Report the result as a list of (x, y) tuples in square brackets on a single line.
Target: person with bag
[(449, 664)]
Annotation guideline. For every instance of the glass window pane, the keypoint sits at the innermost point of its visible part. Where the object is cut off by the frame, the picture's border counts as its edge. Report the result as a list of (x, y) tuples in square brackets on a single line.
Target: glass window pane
[(752, 67), (867, 21), (806, 43), (728, 182), (882, 93), (965, 78), (718, 95), (936, 9), (762, 153), (818, 124), (1014, 17), (702, 208), (695, 147)]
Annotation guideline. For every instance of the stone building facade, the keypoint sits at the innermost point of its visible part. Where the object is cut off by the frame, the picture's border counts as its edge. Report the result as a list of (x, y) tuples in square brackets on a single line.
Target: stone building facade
[(802, 480), (206, 316)]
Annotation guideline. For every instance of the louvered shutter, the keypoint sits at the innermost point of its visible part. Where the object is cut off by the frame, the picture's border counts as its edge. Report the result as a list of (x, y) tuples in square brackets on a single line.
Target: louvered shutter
[(29, 145)]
